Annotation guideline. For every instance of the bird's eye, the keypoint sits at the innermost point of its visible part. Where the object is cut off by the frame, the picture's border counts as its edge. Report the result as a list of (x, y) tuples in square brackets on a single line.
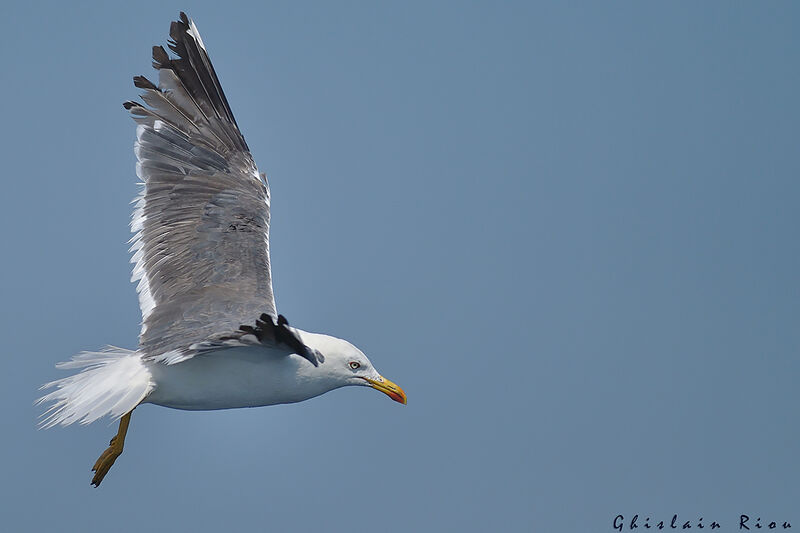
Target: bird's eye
[(355, 365)]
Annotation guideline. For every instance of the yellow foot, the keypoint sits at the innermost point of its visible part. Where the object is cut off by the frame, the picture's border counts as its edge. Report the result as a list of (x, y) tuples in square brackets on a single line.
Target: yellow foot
[(114, 450), (105, 462)]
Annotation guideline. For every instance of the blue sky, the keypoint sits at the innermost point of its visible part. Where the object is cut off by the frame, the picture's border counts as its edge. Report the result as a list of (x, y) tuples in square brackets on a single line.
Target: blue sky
[(568, 230)]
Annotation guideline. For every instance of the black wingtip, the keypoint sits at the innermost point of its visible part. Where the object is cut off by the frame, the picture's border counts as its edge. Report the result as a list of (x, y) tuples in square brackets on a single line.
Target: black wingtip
[(192, 66), (160, 58), (143, 83)]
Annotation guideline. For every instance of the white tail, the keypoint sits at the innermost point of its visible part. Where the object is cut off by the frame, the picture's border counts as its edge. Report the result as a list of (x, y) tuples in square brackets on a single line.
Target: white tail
[(112, 382)]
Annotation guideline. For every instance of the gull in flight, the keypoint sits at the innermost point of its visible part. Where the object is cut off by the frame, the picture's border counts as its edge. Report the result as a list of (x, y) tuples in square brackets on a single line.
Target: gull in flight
[(211, 337)]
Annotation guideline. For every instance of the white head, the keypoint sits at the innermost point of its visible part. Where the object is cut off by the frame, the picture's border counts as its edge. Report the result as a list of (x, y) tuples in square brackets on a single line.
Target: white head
[(343, 364)]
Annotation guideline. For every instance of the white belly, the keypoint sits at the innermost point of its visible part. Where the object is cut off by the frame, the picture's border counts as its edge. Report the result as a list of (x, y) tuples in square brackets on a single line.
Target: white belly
[(233, 378)]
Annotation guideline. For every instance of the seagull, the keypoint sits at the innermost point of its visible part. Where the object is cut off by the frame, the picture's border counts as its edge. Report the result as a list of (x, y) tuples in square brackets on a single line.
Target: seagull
[(210, 337)]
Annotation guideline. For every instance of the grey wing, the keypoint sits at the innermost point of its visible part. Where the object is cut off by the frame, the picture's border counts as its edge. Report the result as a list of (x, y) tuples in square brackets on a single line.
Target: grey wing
[(201, 222)]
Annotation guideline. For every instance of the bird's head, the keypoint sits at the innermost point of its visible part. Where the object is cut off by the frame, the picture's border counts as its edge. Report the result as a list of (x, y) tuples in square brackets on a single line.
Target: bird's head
[(348, 365)]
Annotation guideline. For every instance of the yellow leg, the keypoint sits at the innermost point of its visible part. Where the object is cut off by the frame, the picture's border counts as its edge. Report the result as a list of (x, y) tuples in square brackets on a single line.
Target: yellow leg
[(106, 460)]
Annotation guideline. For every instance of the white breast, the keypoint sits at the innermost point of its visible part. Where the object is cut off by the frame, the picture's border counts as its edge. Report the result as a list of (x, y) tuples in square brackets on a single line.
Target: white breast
[(236, 377)]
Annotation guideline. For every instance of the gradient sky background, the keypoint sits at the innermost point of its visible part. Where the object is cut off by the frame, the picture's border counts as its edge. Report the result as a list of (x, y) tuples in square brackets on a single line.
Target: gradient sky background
[(568, 230)]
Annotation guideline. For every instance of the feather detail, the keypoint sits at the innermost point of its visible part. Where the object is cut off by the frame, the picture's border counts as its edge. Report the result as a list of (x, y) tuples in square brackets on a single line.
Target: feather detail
[(111, 382)]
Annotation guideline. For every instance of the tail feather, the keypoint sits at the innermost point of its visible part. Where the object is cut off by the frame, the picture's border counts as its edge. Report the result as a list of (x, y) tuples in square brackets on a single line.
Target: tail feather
[(111, 382)]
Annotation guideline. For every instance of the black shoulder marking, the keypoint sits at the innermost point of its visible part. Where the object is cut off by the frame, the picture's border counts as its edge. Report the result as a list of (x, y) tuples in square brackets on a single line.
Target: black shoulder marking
[(249, 330), (267, 331)]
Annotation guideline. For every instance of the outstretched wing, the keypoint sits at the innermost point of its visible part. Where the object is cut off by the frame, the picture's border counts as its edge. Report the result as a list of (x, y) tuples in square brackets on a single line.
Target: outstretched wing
[(201, 222)]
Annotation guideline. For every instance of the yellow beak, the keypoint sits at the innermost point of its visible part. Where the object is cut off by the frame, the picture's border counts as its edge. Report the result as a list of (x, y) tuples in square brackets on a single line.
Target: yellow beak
[(392, 390)]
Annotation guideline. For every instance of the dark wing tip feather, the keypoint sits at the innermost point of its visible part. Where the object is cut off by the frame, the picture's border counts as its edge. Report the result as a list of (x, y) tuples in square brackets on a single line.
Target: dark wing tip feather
[(160, 58), (141, 82), (177, 29)]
